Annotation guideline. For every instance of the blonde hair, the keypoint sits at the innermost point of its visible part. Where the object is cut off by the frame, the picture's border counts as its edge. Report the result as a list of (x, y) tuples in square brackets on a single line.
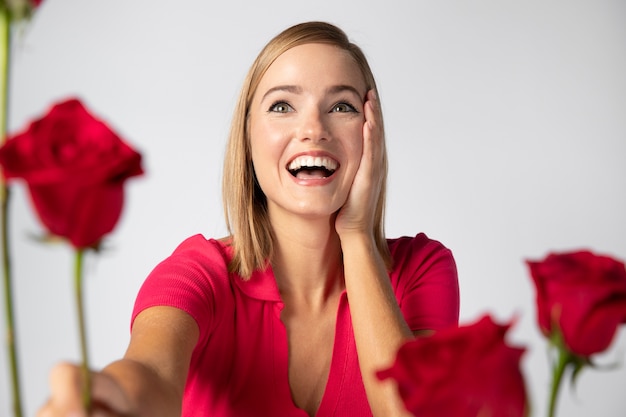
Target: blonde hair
[(245, 204)]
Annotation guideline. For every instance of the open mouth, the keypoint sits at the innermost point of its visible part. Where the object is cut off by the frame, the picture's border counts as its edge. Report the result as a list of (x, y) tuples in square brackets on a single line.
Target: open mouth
[(312, 167)]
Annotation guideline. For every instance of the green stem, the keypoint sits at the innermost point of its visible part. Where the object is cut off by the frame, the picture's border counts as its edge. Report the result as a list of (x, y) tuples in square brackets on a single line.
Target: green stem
[(78, 285), (558, 370), (5, 45)]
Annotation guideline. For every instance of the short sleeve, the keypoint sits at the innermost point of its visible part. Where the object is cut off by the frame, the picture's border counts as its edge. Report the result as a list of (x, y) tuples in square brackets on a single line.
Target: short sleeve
[(193, 279), (425, 282)]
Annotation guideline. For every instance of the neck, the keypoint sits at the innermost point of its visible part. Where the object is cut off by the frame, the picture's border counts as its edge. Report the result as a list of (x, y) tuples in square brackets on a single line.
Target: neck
[(307, 259)]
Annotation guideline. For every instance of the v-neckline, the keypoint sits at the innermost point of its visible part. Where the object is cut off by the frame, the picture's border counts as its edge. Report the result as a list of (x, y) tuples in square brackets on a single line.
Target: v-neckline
[(330, 397)]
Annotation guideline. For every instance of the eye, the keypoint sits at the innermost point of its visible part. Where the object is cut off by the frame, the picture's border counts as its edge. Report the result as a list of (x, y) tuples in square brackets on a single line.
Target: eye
[(344, 108), (280, 107)]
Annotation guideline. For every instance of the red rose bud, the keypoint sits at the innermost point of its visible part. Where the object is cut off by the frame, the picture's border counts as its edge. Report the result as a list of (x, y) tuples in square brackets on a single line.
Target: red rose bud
[(582, 296), (75, 167), (467, 371)]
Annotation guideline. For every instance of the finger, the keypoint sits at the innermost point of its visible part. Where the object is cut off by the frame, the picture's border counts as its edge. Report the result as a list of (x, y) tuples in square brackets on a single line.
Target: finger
[(368, 127), (372, 131), (107, 398), (372, 110), (65, 387)]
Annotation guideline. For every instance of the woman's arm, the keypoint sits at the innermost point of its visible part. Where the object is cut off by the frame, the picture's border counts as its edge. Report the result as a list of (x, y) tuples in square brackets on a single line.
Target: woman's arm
[(148, 381), (379, 327)]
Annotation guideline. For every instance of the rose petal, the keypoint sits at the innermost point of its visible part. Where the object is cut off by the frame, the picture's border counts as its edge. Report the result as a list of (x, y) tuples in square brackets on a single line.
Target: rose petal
[(75, 167), (461, 372), (584, 295)]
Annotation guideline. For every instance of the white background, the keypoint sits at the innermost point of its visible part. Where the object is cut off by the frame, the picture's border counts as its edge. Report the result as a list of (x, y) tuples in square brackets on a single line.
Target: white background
[(506, 129)]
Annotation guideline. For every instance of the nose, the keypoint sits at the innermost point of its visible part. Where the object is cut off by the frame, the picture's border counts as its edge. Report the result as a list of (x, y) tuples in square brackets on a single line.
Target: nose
[(313, 127)]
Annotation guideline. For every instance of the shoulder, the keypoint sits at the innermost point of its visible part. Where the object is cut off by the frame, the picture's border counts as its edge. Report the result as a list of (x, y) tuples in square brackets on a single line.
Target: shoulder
[(209, 252), (193, 278), (198, 263), (418, 251), (425, 282)]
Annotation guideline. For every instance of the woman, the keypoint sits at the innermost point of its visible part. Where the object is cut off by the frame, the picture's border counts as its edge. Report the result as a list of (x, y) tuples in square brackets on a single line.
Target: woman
[(294, 312)]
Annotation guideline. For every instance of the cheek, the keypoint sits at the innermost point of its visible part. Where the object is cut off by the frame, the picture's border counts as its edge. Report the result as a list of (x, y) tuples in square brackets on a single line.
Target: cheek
[(353, 146), (265, 138), (266, 147), (261, 158), (351, 132)]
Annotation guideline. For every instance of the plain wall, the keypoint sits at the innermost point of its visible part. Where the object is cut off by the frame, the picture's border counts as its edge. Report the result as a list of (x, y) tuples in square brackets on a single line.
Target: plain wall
[(506, 131)]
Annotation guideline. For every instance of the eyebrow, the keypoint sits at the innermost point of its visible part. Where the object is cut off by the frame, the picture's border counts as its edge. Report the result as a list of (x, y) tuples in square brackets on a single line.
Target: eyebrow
[(287, 88), (335, 89), (343, 87)]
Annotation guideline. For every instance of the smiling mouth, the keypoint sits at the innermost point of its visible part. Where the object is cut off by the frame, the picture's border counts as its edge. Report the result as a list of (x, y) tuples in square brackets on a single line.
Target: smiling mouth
[(312, 167)]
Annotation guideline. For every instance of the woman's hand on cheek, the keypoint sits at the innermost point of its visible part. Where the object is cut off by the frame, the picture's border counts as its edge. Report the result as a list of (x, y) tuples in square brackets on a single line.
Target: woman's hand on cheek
[(357, 214)]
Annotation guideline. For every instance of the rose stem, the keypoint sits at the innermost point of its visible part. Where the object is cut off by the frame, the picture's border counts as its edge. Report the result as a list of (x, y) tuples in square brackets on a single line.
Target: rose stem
[(5, 44), (78, 285), (558, 369)]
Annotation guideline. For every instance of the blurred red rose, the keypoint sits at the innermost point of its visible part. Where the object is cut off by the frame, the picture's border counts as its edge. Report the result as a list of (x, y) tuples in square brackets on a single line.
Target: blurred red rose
[(467, 371), (583, 295), (75, 167)]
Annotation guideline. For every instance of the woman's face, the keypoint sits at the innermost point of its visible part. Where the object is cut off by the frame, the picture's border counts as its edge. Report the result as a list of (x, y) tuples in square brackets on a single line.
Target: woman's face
[(306, 129)]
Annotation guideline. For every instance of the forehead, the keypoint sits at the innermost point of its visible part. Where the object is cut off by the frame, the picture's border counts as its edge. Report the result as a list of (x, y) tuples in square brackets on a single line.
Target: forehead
[(314, 65)]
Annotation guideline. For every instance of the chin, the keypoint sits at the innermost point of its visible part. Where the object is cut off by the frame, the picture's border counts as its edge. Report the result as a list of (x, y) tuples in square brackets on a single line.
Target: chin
[(308, 209)]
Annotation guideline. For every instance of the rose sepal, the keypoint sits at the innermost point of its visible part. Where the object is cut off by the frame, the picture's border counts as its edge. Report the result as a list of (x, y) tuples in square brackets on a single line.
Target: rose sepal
[(52, 239)]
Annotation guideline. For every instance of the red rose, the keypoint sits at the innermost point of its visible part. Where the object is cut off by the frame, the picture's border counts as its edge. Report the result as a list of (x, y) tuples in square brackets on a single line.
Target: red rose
[(582, 296), (462, 372), (75, 167)]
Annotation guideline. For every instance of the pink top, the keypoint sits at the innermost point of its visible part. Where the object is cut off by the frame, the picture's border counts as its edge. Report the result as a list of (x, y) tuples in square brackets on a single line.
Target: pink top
[(240, 365)]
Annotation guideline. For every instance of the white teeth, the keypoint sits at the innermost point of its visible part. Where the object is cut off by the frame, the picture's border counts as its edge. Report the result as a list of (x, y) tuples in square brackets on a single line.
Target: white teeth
[(313, 161)]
